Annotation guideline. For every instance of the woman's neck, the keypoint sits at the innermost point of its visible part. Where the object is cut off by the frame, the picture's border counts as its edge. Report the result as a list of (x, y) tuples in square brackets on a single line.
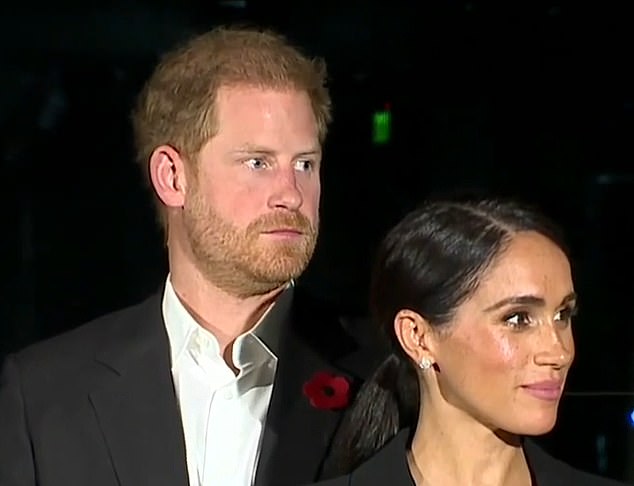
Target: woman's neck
[(451, 448)]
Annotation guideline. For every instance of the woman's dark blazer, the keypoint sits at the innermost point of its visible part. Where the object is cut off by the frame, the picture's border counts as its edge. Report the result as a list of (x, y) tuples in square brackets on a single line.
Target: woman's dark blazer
[(389, 467)]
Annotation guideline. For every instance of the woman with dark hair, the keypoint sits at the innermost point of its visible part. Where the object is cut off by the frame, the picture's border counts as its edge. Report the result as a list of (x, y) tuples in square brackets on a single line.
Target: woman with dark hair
[(475, 300)]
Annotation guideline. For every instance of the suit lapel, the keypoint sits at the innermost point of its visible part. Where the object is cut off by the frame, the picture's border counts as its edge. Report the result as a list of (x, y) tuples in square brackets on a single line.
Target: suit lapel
[(137, 409), (297, 435), (545, 469)]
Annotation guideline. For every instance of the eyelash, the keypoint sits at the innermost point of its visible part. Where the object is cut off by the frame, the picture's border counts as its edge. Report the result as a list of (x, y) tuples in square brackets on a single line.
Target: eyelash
[(250, 161), (310, 163), (567, 313), (262, 160), (522, 323)]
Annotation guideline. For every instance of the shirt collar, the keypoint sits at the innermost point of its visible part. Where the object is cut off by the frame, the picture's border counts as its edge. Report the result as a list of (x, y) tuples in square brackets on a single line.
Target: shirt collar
[(256, 346), (271, 325)]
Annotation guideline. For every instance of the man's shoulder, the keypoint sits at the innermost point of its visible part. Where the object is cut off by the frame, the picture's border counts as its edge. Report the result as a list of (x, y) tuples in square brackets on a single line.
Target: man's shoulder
[(82, 341)]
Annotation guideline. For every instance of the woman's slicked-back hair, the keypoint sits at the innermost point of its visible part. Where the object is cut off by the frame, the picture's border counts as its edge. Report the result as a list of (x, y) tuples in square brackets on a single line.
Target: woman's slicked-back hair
[(430, 262)]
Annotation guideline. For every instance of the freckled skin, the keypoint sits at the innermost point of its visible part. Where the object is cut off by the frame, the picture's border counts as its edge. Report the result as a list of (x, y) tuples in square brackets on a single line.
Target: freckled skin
[(259, 173), (484, 361)]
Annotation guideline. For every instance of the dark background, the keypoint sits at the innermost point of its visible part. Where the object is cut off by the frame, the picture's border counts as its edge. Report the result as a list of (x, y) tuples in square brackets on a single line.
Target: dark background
[(533, 99)]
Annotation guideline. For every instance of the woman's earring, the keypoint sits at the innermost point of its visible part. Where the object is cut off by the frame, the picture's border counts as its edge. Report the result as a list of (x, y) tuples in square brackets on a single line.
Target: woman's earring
[(425, 363)]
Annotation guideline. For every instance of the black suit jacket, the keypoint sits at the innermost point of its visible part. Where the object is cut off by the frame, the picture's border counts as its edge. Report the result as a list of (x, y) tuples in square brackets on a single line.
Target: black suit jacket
[(389, 467), (96, 406)]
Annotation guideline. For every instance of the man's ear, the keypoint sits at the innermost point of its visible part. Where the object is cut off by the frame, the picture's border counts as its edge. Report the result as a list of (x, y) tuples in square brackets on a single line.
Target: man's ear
[(416, 336), (167, 172)]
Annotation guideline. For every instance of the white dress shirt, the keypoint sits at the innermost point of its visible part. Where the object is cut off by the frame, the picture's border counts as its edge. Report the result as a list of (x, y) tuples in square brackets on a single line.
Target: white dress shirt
[(223, 414)]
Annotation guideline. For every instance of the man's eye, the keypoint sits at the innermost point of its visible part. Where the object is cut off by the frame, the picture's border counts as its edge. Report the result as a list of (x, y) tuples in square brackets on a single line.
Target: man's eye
[(255, 163), (304, 164)]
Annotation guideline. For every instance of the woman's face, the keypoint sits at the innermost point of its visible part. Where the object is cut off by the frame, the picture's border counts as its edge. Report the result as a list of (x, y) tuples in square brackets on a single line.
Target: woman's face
[(505, 359)]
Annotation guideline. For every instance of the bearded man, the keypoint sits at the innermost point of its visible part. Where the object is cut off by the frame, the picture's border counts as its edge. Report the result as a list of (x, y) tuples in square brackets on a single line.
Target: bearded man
[(230, 374)]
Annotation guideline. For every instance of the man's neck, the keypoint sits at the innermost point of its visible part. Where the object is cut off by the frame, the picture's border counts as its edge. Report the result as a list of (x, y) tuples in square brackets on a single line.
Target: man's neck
[(224, 315)]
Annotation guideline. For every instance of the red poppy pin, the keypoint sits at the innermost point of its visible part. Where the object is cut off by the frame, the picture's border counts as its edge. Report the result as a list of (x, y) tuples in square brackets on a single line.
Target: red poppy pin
[(327, 392)]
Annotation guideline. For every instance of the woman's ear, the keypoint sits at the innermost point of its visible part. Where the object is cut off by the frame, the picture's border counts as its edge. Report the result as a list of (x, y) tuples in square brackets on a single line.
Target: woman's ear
[(416, 337)]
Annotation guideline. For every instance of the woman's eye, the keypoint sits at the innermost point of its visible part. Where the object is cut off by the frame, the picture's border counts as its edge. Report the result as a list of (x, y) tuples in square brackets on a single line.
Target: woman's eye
[(518, 320), (566, 315)]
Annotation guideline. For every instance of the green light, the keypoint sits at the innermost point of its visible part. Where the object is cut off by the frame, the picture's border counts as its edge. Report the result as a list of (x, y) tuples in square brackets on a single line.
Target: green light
[(382, 127)]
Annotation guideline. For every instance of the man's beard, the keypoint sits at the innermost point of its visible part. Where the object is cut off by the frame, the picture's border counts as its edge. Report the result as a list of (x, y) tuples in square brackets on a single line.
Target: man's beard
[(243, 262)]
